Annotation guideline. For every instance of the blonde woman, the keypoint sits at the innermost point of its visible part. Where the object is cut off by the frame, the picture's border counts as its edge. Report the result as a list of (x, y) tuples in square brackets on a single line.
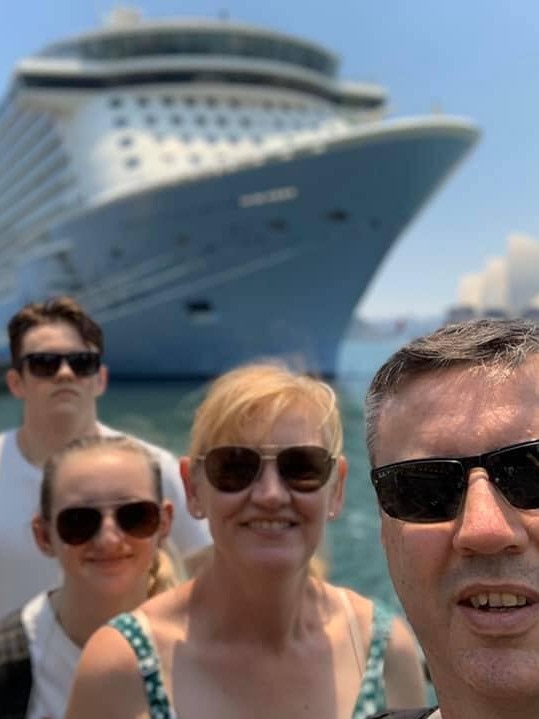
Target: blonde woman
[(256, 634), (102, 517)]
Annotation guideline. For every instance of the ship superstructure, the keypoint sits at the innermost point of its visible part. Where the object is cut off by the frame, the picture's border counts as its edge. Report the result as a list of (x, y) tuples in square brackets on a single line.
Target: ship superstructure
[(209, 190)]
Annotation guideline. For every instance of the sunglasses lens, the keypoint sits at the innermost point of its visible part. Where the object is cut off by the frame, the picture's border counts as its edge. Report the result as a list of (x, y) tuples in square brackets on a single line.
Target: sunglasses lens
[(84, 364), (44, 364), (77, 525), (305, 469), (421, 493), (516, 474), (139, 519), (47, 364), (231, 469)]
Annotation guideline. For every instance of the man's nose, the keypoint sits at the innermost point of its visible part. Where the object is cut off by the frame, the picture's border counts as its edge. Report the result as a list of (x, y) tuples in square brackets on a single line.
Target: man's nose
[(488, 524)]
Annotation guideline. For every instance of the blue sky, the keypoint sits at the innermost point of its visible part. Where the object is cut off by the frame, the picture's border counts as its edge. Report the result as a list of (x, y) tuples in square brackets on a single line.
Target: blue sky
[(477, 58)]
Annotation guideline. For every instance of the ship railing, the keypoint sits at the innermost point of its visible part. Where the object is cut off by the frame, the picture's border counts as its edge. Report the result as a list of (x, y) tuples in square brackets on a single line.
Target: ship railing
[(32, 227), (11, 146), (51, 167)]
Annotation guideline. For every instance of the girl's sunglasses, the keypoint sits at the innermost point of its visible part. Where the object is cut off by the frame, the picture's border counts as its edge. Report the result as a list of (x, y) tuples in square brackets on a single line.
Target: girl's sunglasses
[(47, 364), (303, 468), (432, 490), (77, 525)]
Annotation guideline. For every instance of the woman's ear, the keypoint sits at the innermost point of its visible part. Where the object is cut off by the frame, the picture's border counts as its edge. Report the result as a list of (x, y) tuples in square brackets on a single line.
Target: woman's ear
[(191, 489), (42, 535), (167, 516), (336, 499)]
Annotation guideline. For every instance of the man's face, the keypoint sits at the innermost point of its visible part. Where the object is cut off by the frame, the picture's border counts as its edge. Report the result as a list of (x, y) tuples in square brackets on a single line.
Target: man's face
[(489, 554), (64, 394)]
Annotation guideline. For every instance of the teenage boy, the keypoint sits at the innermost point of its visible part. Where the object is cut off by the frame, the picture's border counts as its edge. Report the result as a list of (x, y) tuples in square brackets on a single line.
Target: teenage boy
[(57, 373)]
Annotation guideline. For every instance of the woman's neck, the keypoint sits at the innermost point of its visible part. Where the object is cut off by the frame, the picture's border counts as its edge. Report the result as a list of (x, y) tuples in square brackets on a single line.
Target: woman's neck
[(272, 610), (81, 614)]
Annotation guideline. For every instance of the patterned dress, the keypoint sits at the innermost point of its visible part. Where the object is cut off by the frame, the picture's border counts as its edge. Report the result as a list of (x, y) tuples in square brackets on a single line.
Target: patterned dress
[(371, 697)]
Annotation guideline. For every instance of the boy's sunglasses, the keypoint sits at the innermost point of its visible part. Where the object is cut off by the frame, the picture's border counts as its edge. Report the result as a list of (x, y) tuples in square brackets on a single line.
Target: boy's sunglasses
[(303, 468), (77, 525), (432, 490), (47, 364)]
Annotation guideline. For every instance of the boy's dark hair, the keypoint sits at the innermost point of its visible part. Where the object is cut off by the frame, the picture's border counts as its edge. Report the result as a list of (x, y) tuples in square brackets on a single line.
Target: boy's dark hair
[(55, 309)]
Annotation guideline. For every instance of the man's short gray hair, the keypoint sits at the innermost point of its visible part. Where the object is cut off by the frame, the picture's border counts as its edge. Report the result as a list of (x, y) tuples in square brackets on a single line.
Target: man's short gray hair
[(496, 343)]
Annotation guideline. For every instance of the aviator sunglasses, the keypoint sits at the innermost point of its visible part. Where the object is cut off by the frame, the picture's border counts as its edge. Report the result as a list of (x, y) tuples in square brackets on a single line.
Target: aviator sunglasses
[(303, 468), (47, 364), (432, 490), (77, 525)]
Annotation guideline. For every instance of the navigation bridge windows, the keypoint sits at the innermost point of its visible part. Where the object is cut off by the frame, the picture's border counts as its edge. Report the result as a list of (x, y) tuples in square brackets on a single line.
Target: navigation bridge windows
[(214, 40)]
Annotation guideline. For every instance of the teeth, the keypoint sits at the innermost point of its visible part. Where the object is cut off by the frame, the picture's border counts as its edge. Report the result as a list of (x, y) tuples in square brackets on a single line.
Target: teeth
[(269, 524), (497, 600)]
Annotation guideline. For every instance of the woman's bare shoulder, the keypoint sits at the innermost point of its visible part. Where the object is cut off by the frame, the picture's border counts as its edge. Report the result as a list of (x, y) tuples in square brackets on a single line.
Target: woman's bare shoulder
[(168, 613), (107, 682), (361, 606)]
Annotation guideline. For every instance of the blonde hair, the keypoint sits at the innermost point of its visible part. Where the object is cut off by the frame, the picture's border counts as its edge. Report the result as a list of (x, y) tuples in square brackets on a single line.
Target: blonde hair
[(162, 574), (262, 392)]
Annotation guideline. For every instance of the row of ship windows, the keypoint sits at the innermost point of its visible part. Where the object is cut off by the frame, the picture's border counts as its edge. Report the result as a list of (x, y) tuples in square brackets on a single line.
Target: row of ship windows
[(221, 121), (208, 101), (277, 225)]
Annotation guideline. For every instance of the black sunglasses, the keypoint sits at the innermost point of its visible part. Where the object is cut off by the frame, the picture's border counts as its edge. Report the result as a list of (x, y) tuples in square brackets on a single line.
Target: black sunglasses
[(432, 490), (303, 468), (47, 364), (77, 525)]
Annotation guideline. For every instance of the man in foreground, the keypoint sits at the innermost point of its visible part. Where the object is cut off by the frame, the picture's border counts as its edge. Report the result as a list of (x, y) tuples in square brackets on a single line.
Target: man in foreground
[(453, 434), (57, 373)]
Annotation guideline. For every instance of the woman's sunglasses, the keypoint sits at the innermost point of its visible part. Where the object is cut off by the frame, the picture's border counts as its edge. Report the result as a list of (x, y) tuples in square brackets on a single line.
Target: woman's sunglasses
[(432, 490), (47, 364), (303, 468), (77, 525)]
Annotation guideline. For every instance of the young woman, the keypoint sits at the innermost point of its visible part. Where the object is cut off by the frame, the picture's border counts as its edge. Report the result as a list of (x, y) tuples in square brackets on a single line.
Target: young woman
[(256, 633), (102, 517)]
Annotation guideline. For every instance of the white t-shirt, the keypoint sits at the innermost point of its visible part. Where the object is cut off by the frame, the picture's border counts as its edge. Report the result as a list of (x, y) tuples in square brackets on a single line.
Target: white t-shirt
[(54, 659), (24, 570)]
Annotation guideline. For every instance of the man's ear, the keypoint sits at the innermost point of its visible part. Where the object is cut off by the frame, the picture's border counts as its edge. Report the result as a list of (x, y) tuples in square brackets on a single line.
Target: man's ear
[(15, 383), (191, 489), (102, 380), (42, 536)]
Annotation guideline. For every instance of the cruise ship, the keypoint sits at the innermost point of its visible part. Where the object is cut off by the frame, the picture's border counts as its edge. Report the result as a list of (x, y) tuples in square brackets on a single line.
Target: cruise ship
[(210, 191)]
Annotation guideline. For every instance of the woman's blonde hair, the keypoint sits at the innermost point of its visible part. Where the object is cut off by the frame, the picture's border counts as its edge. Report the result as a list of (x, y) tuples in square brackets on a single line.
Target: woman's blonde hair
[(162, 574), (253, 397)]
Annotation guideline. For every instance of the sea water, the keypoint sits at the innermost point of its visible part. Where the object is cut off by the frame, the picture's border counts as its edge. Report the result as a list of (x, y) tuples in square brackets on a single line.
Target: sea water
[(162, 413)]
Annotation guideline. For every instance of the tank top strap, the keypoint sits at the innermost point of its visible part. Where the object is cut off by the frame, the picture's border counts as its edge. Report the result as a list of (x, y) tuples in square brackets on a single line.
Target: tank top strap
[(135, 628), (372, 697), (353, 628)]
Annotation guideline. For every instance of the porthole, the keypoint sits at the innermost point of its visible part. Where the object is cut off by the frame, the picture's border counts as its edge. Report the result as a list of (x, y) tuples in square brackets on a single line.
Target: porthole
[(277, 224), (120, 121), (338, 215), (132, 162), (115, 102), (125, 141)]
